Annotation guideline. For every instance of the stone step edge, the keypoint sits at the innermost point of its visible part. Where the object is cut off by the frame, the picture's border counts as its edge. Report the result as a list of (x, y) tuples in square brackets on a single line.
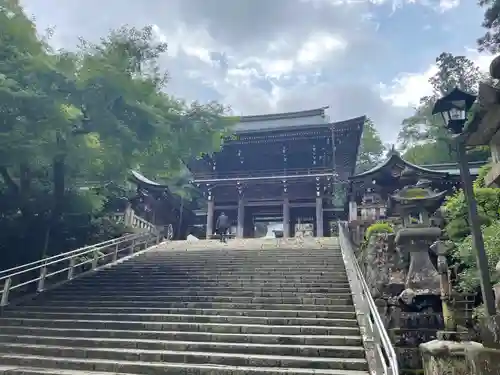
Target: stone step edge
[(98, 330), (32, 310), (157, 290), (112, 295), (243, 317), (186, 353), (60, 298), (248, 305), (201, 282), (181, 342), (245, 252), (209, 368), (122, 322)]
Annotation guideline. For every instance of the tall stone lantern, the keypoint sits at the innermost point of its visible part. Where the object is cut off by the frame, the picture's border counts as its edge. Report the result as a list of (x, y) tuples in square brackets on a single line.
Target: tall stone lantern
[(415, 204)]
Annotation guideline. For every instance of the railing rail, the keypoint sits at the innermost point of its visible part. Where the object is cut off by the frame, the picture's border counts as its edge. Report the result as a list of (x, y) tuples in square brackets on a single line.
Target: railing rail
[(380, 345), (36, 276), (130, 218)]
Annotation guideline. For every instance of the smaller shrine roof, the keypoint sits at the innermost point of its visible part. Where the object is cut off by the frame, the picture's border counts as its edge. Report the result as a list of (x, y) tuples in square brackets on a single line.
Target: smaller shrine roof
[(394, 160), (142, 180), (145, 182), (452, 168)]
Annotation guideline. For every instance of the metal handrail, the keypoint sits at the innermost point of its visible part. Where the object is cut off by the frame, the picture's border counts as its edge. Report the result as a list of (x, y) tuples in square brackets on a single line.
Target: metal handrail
[(54, 257), (386, 362), (85, 259)]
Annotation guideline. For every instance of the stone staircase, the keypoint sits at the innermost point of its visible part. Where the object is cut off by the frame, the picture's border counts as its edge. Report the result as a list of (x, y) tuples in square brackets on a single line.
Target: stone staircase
[(248, 307)]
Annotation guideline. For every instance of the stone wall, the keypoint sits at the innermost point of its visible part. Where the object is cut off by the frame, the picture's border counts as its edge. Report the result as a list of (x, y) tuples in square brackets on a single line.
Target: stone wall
[(411, 319)]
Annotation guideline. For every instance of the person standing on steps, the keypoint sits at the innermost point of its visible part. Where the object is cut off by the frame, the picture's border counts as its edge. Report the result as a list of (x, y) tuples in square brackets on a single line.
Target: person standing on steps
[(222, 226)]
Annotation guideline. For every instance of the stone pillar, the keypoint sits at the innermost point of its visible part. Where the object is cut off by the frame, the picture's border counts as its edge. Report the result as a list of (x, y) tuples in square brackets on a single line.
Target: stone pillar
[(286, 217), (241, 218), (210, 218), (353, 211), (319, 217)]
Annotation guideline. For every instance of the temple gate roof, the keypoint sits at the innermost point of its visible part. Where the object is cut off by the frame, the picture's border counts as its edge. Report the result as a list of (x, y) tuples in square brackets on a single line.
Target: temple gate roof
[(279, 121)]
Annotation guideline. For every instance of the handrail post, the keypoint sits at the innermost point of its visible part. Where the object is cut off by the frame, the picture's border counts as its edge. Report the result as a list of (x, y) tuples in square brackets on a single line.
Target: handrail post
[(71, 270), (95, 258), (115, 253), (41, 280), (131, 250), (5, 292)]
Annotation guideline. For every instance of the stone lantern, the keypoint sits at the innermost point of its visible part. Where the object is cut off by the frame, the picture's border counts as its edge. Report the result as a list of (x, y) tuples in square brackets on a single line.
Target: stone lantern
[(416, 204)]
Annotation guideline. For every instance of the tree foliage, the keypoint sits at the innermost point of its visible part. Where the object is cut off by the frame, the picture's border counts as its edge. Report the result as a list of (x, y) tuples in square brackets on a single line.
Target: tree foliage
[(456, 211), (371, 149), (458, 230), (468, 278), (423, 136), (490, 41), (84, 118)]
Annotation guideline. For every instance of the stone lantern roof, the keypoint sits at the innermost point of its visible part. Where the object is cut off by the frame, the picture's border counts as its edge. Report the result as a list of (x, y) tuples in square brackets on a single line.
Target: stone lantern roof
[(417, 197)]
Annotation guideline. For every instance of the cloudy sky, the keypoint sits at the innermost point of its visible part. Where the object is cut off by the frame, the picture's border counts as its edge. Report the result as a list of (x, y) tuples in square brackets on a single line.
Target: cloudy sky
[(359, 57)]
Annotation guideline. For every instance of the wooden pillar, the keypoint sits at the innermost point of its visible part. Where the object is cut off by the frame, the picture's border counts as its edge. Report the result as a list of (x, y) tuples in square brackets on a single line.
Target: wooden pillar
[(319, 217), (293, 222), (241, 218), (210, 219), (286, 217)]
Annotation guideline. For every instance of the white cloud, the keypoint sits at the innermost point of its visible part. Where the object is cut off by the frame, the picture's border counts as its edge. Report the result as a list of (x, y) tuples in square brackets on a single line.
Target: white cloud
[(445, 5), (319, 47), (193, 42), (407, 88), (300, 54)]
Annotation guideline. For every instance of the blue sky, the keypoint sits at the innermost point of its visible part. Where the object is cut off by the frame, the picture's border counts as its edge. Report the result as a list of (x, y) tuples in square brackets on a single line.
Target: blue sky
[(370, 57)]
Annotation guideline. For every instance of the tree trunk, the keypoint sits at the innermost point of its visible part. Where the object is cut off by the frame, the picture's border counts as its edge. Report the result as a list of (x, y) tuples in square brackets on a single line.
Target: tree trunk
[(58, 177)]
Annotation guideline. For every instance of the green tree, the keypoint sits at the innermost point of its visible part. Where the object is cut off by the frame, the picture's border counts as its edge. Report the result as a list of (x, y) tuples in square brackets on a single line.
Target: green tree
[(458, 230), (468, 278), (69, 120), (490, 41), (428, 153), (371, 149), (425, 132)]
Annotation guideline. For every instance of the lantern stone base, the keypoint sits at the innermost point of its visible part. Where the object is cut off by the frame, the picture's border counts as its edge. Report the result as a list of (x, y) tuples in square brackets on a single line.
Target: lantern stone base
[(459, 358)]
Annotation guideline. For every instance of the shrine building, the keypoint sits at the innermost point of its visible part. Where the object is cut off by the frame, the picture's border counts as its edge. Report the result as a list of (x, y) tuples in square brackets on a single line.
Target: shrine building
[(370, 191), (289, 167)]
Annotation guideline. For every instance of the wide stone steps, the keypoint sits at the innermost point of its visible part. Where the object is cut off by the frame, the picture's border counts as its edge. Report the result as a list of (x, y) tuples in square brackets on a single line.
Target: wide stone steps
[(194, 346), (328, 289), (208, 293), (96, 367), (184, 318), (201, 311), (332, 314), (12, 333), (151, 301), (185, 357), (195, 305)]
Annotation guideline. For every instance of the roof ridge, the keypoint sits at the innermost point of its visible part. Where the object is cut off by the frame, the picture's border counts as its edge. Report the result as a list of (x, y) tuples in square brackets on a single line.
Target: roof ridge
[(282, 115)]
